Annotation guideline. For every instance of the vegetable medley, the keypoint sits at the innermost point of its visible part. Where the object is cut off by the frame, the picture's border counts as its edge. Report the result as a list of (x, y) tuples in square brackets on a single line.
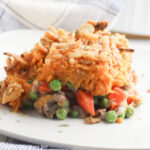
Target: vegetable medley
[(81, 74)]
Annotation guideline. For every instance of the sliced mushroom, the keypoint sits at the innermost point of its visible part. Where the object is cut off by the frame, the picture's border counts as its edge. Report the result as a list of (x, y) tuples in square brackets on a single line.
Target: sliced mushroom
[(46, 106), (60, 98)]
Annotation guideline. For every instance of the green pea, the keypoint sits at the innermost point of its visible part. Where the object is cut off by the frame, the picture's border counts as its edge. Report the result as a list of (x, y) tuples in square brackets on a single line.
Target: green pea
[(56, 85), (111, 116), (129, 112), (28, 103), (74, 114), (101, 96), (61, 113), (33, 95), (96, 101), (104, 103), (66, 103), (122, 115), (30, 80), (71, 86)]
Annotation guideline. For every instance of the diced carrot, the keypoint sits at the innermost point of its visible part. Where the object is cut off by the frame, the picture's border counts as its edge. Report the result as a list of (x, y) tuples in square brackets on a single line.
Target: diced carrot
[(119, 120), (134, 77), (129, 100), (44, 87), (113, 106), (86, 101), (118, 96)]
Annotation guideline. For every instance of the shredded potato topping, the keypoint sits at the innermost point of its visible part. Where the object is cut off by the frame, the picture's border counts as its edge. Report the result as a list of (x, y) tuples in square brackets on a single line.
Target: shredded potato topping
[(90, 57)]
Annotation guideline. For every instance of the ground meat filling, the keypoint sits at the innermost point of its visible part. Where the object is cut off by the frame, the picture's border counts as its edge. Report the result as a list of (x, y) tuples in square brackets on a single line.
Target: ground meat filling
[(60, 98), (48, 104)]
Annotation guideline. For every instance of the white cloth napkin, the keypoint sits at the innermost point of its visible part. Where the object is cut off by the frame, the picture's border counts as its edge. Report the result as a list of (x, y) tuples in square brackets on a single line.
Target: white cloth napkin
[(8, 146), (39, 14), (67, 14)]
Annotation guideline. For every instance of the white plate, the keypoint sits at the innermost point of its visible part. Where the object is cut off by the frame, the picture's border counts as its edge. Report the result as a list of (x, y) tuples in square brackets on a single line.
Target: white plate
[(134, 133)]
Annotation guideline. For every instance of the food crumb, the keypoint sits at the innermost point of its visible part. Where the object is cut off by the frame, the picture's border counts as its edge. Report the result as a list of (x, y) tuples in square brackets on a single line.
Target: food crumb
[(60, 131), (148, 91), (63, 125), (18, 121)]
